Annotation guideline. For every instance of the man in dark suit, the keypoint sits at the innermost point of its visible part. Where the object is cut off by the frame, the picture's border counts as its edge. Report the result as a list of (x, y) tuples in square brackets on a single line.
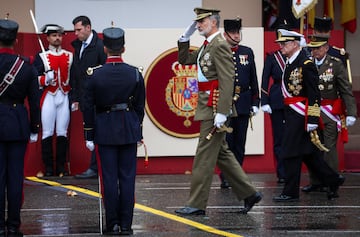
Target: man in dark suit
[(302, 112), (18, 81), (216, 83), (113, 115), (246, 90), (89, 52)]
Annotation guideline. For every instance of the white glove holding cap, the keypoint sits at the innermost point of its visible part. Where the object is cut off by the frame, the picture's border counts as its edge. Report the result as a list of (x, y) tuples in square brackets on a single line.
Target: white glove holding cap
[(49, 77), (255, 110), (266, 109), (350, 121), (219, 120), (90, 145), (311, 127), (33, 137), (188, 32)]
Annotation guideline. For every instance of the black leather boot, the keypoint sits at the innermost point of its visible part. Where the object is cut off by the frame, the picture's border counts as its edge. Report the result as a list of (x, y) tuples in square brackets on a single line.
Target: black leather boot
[(61, 151), (47, 155)]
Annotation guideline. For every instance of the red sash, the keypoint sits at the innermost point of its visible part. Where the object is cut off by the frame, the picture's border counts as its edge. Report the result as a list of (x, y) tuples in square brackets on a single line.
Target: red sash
[(209, 86)]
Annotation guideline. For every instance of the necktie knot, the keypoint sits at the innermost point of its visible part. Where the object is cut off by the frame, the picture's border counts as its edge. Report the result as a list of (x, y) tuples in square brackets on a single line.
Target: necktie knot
[(205, 43)]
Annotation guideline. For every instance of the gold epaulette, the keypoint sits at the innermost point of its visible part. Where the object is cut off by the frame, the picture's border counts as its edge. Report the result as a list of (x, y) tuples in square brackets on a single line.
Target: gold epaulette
[(307, 61), (90, 70), (341, 50), (314, 110)]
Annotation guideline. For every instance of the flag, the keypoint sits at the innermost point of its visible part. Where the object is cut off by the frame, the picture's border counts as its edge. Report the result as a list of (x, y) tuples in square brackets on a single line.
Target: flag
[(348, 15), (311, 17), (300, 7), (329, 8)]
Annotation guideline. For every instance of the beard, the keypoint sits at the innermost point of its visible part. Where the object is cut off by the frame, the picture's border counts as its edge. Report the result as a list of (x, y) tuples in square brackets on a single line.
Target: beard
[(205, 31)]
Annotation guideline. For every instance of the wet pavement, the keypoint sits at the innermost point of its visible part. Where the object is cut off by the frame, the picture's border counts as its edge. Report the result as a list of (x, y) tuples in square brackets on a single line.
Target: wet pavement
[(48, 210)]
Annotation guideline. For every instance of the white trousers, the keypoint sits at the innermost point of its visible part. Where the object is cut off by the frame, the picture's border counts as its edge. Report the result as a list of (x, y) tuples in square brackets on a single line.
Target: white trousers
[(55, 112)]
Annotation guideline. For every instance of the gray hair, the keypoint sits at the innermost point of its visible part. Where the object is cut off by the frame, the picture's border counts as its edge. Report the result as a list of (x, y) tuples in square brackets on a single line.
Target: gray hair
[(217, 18)]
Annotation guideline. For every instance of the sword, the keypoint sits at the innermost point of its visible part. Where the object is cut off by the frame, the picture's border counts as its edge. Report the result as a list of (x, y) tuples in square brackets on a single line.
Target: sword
[(47, 65), (348, 68), (251, 121)]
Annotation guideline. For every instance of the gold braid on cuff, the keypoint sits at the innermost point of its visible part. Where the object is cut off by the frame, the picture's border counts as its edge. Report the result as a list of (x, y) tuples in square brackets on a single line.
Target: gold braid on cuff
[(314, 110)]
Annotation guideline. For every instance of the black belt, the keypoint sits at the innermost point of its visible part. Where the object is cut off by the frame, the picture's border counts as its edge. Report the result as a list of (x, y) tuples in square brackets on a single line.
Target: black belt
[(112, 108)]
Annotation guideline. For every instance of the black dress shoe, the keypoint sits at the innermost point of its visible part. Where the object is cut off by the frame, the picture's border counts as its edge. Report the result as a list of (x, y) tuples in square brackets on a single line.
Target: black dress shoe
[(115, 230), (225, 184), (190, 211), (48, 174), (126, 231), (285, 198), (14, 233), (250, 202), (313, 188), (88, 174), (333, 190)]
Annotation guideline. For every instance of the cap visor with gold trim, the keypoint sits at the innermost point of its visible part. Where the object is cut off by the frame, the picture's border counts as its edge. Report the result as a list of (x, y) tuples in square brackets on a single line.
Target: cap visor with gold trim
[(287, 35), (317, 41), (202, 13)]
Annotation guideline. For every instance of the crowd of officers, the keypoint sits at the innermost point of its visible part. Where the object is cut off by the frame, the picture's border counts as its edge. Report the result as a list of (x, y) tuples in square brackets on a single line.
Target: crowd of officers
[(309, 100)]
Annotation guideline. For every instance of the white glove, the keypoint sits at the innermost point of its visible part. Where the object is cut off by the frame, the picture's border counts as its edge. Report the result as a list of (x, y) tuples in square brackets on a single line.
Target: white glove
[(49, 77), (266, 109), (311, 127), (90, 145), (350, 121), (219, 120), (188, 32), (74, 106), (255, 110), (33, 137)]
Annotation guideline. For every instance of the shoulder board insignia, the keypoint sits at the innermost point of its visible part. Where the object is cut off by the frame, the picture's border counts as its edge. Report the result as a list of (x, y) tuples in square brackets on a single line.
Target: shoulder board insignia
[(307, 61), (341, 50), (335, 58), (90, 70)]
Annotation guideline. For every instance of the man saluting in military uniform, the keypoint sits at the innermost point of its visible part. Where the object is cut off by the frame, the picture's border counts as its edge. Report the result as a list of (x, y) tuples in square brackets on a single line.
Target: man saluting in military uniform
[(116, 91), (216, 84), (338, 105), (18, 80)]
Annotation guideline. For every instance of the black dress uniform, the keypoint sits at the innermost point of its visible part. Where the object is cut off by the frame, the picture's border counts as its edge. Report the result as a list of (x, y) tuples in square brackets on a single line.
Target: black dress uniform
[(271, 95), (302, 107), (246, 92), (116, 92), (18, 81)]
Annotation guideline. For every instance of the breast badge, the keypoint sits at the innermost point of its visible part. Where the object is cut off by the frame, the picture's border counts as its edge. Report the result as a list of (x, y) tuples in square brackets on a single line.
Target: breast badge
[(327, 76), (244, 59), (295, 81)]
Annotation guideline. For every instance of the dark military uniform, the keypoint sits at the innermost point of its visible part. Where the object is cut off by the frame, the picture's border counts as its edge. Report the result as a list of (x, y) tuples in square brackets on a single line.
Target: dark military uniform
[(247, 89), (301, 81), (271, 95), (113, 115), (15, 128), (302, 108)]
